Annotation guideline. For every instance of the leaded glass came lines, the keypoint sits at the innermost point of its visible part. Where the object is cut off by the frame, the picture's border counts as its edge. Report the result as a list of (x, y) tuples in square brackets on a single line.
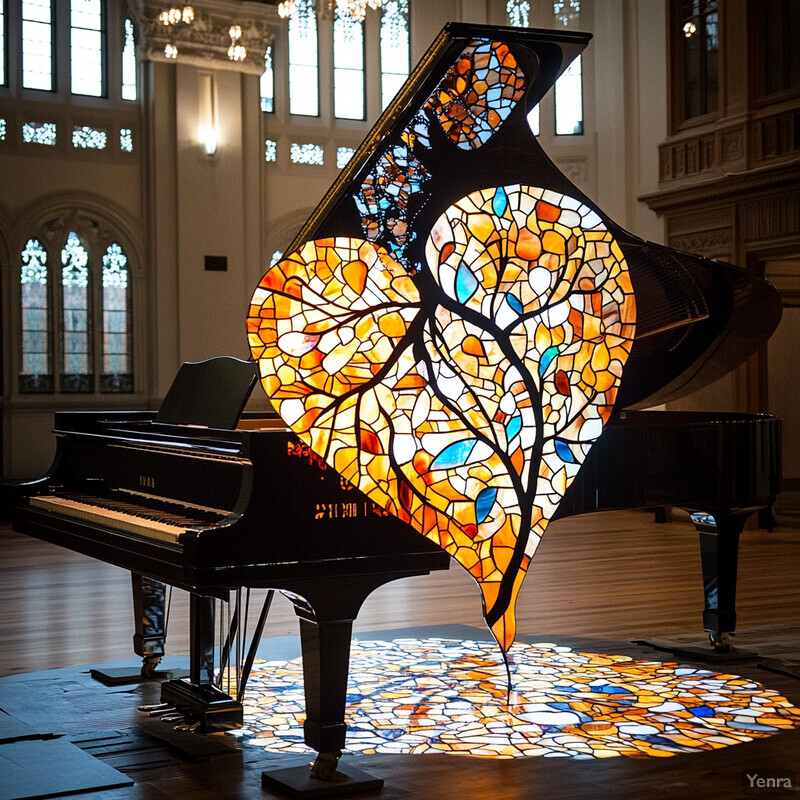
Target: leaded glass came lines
[(39, 133), (37, 45), (36, 371), (86, 138), (87, 34), (76, 372)]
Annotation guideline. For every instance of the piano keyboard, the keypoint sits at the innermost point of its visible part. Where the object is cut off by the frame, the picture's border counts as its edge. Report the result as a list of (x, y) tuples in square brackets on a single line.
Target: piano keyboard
[(159, 519)]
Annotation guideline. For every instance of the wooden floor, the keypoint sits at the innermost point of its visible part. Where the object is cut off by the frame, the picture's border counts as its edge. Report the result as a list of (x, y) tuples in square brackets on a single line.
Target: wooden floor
[(600, 581)]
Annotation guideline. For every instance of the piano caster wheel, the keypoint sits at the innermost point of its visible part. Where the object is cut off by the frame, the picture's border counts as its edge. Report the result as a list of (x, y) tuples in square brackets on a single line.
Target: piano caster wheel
[(149, 666), (324, 767), (721, 642)]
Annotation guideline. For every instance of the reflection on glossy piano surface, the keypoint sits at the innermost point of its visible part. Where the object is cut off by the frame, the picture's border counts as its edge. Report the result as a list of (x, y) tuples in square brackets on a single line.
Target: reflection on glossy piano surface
[(242, 503)]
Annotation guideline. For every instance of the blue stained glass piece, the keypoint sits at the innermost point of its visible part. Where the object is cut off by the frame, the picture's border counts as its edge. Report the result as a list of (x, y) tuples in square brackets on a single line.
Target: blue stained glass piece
[(454, 455), (466, 283), (513, 427), (547, 357), (563, 452), (483, 503), (500, 202), (702, 711), (514, 302)]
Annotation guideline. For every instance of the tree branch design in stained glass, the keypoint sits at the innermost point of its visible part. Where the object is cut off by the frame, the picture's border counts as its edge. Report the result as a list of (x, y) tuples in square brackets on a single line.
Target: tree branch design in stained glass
[(456, 371)]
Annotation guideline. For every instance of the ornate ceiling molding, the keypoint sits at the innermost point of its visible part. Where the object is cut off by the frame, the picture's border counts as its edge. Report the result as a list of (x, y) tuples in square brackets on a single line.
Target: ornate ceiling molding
[(205, 41)]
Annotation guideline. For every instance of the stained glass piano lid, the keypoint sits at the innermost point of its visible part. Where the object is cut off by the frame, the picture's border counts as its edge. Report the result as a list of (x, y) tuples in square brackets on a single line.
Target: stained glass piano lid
[(450, 329)]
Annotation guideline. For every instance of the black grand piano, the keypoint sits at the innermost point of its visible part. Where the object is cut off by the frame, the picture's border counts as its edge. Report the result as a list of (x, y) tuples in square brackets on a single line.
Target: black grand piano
[(242, 503)]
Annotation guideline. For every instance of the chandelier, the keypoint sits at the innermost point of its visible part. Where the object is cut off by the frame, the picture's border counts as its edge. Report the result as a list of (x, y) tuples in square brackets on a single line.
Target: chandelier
[(356, 9)]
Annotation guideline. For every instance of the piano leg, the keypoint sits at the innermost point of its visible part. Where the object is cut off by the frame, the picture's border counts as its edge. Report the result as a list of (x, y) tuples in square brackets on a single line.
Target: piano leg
[(201, 641), (327, 609), (148, 611), (719, 533)]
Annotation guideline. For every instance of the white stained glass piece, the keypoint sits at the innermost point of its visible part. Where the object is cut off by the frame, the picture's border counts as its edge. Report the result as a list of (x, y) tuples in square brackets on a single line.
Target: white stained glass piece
[(308, 153), (39, 133), (126, 140), (270, 150), (2, 130), (533, 120), (276, 257)]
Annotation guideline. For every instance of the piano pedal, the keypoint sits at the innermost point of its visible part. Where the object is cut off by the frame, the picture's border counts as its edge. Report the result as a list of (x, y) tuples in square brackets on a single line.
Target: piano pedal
[(172, 716), (188, 727), (157, 707)]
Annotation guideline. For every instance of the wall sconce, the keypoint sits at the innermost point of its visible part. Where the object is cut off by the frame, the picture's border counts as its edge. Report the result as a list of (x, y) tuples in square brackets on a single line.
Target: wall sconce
[(208, 132)]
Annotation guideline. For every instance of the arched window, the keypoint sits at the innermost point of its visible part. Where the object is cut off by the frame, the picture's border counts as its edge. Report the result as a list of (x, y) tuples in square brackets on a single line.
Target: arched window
[(58, 313)]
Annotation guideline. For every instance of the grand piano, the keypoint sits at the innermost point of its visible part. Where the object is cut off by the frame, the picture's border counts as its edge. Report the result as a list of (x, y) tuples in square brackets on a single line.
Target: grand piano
[(241, 502)]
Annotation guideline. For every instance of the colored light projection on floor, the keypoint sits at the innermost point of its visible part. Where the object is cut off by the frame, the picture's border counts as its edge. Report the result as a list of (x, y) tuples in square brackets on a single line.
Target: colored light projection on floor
[(465, 398), (449, 696)]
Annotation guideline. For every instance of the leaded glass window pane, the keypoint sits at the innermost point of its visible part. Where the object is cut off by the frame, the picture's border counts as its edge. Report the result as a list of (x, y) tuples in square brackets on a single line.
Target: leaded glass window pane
[(303, 60), (3, 52), (130, 84), (569, 100), (343, 155), (518, 12), (37, 45), (307, 153), (126, 140), (39, 133), (270, 150), (700, 37), (348, 66), (36, 373), (2, 130), (117, 375), (395, 49), (87, 138), (268, 82), (76, 371), (86, 47)]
